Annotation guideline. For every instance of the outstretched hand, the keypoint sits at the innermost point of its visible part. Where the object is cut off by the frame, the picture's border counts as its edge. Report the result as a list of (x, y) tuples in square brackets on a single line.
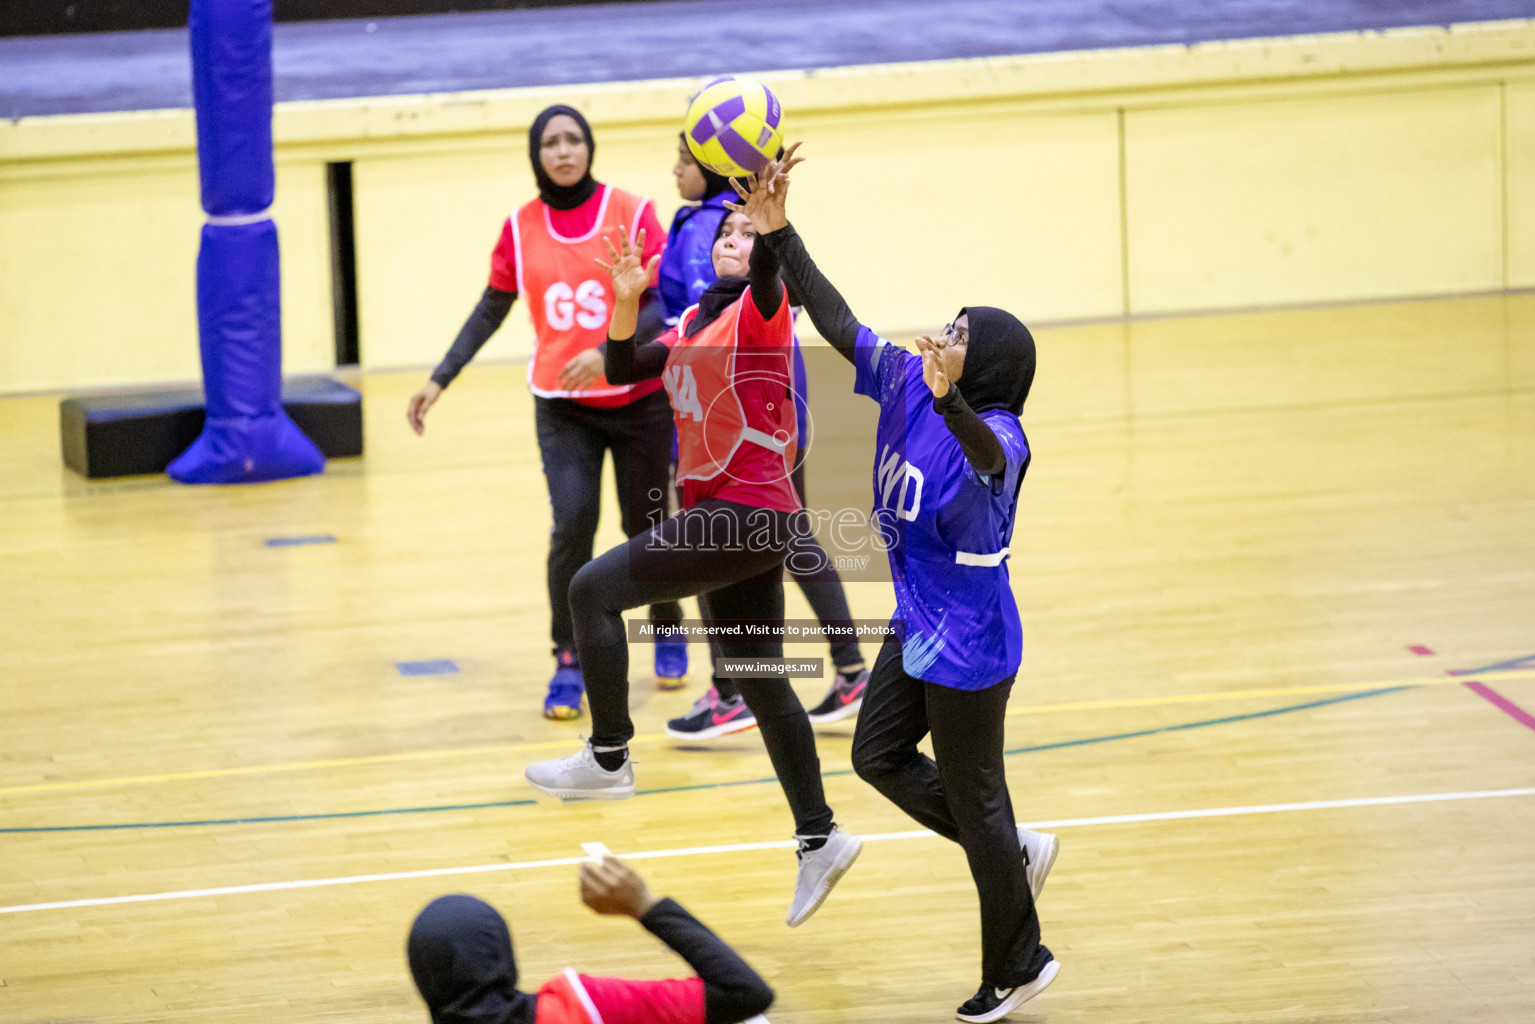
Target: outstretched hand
[(765, 193), (631, 276), (940, 365)]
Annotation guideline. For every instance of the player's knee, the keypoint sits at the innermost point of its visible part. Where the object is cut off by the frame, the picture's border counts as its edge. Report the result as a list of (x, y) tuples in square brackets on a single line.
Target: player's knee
[(872, 764), (977, 806), (587, 587)]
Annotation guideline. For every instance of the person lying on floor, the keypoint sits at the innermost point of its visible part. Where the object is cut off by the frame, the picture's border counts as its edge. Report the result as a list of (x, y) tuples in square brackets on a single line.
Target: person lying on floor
[(460, 953)]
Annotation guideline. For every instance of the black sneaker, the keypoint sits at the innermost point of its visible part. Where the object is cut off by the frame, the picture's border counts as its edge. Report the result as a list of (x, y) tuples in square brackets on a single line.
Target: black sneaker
[(712, 717), (989, 1004), (843, 700)]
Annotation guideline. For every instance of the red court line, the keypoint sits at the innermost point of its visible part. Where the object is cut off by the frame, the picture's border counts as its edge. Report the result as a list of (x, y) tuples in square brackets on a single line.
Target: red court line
[(1502, 703)]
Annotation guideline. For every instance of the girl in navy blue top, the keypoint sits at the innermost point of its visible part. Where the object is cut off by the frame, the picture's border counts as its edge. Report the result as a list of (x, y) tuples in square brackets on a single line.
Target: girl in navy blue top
[(948, 465)]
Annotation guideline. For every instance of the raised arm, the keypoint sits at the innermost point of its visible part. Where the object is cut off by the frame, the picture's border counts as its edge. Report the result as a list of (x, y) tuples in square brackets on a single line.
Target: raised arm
[(940, 371), (733, 991), (763, 280), (830, 313), (625, 362), (976, 439), (763, 202)]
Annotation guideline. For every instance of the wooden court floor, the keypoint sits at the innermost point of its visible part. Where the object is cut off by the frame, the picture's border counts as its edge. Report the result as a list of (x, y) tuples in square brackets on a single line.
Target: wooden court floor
[(1251, 551)]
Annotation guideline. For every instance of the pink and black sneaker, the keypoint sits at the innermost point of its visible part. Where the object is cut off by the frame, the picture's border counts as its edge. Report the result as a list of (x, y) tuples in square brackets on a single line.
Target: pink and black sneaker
[(843, 700), (712, 717)]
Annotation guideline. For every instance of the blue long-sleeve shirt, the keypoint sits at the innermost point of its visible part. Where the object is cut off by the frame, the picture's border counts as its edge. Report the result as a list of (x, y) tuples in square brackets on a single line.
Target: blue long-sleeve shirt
[(687, 266)]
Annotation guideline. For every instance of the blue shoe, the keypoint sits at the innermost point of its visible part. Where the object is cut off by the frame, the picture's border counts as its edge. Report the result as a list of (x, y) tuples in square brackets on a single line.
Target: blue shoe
[(671, 664), (566, 688)]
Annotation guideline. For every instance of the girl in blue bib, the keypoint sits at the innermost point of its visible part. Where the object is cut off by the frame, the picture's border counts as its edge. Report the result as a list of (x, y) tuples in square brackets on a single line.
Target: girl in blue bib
[(950, 455)]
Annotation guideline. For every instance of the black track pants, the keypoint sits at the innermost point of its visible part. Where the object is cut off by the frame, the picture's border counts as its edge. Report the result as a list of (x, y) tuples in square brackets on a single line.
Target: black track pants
[(962, 796), (573, 439)]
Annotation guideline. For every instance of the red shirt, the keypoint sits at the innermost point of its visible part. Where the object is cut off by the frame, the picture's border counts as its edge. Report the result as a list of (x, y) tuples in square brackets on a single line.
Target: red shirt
[(571, 998), (574, 224), (755, 475)]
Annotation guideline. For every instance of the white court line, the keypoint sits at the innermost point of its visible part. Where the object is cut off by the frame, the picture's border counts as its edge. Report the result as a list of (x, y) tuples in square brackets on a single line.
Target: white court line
[(698, 851), (309, 883)]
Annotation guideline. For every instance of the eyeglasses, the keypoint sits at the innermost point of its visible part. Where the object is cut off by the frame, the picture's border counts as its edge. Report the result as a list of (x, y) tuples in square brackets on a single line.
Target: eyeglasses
[(956, 335)]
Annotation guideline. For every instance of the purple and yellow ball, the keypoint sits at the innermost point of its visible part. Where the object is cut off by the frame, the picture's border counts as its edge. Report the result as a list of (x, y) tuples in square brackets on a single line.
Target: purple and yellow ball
[(734, 126)]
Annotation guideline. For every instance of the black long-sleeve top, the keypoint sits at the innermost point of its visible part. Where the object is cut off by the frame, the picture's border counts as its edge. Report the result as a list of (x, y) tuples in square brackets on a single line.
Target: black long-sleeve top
[(732, 990), (490, 313), (484, 320), (837, 324), (631, 360)]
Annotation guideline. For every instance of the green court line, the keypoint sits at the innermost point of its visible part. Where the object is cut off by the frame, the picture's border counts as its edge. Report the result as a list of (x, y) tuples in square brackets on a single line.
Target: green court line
[(440, 808), (272, 818)]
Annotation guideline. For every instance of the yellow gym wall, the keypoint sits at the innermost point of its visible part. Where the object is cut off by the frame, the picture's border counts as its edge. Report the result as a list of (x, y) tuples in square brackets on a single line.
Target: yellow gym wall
[(1317, 198), (1519, 188), (1064, 186), (98, 270)]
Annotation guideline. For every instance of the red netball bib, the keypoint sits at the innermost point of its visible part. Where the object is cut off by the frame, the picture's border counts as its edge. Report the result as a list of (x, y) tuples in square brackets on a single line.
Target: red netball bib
[(569, 297), (732, 400)]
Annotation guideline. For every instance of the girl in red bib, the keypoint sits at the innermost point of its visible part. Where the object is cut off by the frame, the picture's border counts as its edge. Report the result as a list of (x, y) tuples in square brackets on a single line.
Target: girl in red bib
[(460, 954), (727, 371), (546, 253)]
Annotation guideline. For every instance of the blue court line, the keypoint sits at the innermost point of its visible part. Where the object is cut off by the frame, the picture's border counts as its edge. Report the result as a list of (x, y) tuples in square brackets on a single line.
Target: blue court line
[(1497, 666), (432, 667), (293, 542), (1088, 741)]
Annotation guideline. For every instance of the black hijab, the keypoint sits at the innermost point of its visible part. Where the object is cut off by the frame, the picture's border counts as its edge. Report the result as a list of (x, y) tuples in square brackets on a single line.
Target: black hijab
[(460, 954), (561, 197), (999, 361), (721, 293)]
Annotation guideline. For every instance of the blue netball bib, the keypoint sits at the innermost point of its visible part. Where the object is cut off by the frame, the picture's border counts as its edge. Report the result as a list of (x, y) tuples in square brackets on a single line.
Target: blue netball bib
[(947, 527)]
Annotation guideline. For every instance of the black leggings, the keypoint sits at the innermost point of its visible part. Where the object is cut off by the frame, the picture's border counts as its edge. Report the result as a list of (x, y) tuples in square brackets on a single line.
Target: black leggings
[(819, 581), (573, 440), (962, 796), (734, 555)]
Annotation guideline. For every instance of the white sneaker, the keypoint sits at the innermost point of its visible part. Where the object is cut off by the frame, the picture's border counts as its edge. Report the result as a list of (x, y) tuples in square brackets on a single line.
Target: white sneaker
[(819, 871), (991, 1004), (580, 776), (1039, 852)]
